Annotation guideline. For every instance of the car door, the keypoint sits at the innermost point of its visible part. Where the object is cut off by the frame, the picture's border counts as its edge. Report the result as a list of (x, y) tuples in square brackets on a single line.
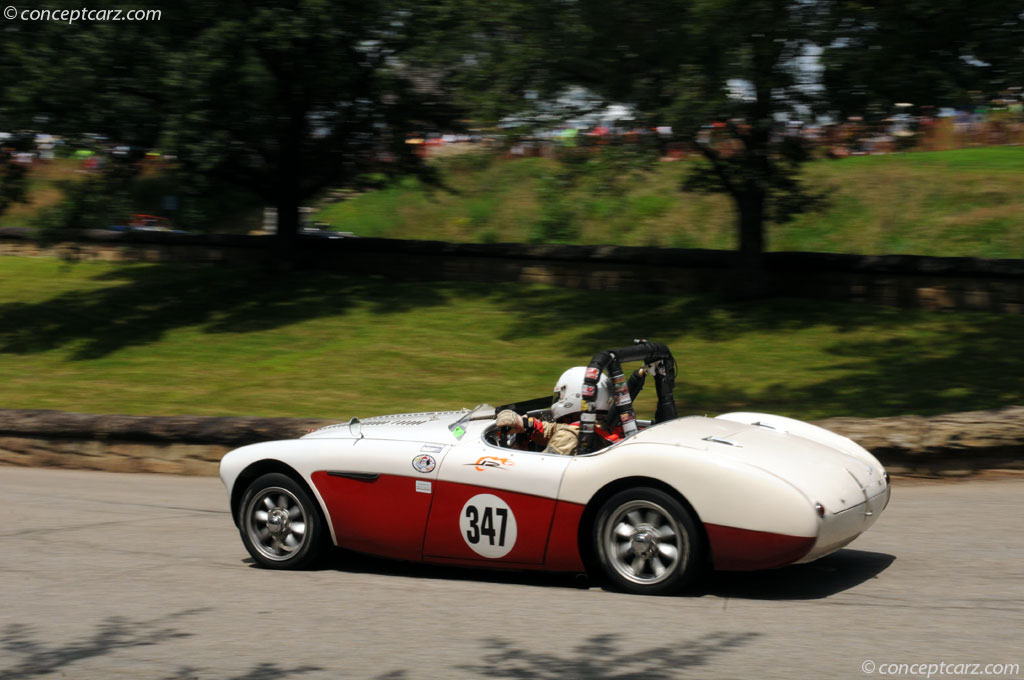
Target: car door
[(492, 504), (379, 496)]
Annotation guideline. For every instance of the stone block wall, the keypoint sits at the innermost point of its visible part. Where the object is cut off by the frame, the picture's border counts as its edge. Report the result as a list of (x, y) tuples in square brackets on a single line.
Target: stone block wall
[(954, 444)]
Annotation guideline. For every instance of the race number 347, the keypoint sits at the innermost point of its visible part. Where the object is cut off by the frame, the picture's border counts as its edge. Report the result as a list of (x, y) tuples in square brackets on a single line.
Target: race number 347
[(488, 525)]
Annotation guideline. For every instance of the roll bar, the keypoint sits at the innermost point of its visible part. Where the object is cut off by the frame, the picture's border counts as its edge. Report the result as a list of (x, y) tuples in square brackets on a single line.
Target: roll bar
[(610, 361)]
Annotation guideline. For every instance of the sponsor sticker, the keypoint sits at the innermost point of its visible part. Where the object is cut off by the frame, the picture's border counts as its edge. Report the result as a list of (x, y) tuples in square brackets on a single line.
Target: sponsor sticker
[(488, 526), (592, 374), (589, 390), (485, 462), (423, 486), (424, 463)]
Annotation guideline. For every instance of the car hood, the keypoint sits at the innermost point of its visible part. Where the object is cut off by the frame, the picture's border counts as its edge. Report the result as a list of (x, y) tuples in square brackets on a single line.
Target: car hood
[(425, 427), (824, 473)]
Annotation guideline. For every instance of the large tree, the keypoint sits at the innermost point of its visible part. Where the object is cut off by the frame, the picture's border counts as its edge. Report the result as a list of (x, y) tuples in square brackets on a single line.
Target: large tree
[(727, 74), (685, 64), (281, 98)]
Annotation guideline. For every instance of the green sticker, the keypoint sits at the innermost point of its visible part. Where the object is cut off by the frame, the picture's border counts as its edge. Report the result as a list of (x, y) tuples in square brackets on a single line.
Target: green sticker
[(458, 432)]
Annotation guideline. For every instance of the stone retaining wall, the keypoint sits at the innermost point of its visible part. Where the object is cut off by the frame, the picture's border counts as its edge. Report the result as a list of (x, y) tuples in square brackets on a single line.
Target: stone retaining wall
[(954, 444), (896, 280)]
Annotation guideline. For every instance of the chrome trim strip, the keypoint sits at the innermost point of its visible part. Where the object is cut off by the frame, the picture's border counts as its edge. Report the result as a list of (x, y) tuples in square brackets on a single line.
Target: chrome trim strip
[(360, 476)]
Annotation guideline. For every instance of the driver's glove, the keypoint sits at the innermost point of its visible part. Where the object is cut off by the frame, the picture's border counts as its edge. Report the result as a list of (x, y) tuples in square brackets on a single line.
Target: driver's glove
[(510, 420)]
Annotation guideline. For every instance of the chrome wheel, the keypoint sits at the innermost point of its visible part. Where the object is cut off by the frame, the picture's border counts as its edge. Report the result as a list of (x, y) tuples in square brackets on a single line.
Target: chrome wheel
[(275, 523), (647, 542), (644, 543)]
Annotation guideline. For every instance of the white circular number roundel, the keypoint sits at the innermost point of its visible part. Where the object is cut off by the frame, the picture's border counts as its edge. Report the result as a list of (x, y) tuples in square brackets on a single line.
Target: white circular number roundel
[(488, 525)]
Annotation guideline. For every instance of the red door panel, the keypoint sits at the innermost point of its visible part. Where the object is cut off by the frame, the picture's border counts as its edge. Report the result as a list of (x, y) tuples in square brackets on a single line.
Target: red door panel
[(385, 516), (510, 530)]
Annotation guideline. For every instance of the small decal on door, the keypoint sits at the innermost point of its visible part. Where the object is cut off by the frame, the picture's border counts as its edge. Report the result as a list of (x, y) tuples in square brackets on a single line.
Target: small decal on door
[(488, 525), (485, 462), (424, 463), (423, 486)]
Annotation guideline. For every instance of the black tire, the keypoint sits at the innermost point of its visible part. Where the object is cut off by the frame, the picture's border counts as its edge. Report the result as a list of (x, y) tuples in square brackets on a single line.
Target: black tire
[(280, 524), (647, 543)]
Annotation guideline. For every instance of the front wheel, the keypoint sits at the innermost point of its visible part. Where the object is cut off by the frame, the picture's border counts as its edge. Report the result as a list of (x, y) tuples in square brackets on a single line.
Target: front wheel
[(280, 525), (647, 542)]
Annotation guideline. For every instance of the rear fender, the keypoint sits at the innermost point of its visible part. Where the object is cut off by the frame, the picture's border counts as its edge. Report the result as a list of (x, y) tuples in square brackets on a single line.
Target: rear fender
[(806, 430)]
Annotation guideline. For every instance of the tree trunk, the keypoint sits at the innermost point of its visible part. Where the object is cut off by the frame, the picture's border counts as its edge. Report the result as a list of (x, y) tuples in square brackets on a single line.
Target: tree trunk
[(291, 137), (749, 279), (285, 255)]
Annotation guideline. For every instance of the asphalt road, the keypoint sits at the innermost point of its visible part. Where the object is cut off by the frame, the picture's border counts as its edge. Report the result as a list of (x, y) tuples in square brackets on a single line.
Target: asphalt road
[(143, 576)]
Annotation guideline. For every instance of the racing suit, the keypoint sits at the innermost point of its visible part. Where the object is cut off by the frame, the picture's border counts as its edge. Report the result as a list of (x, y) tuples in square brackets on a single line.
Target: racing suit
[(560, 437)]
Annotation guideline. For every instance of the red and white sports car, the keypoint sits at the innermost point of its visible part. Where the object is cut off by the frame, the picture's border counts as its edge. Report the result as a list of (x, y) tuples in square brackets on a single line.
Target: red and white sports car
[(676, 495)]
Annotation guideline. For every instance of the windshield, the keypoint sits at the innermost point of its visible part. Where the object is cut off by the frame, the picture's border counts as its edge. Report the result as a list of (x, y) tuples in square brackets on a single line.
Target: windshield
[(481, 412)]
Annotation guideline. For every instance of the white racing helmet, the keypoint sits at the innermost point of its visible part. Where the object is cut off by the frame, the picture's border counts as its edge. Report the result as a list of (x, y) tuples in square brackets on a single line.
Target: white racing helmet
[(568, 398)]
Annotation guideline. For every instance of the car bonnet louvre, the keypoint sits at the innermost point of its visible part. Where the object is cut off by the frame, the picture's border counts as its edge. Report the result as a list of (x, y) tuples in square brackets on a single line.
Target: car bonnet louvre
[(411, 418), (401, 419)]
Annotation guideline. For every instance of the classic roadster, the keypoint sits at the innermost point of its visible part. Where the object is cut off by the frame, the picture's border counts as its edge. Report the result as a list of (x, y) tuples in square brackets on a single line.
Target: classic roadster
[(674, 496)]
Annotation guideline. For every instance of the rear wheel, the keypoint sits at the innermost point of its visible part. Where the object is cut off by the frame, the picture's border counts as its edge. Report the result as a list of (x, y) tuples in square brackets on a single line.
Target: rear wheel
[(647, 542), (280, 524)]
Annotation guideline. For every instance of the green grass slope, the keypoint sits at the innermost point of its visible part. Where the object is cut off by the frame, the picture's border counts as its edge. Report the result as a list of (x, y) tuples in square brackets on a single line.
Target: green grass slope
[(178, 339), (968, 202)]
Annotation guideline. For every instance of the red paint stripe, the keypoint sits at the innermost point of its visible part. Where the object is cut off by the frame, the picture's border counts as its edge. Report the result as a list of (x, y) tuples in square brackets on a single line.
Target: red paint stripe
[(735, 549)]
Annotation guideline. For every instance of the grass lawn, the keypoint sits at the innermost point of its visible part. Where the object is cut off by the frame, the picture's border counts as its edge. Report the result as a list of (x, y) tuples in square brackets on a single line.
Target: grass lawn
[(967, 202), (184, 339)]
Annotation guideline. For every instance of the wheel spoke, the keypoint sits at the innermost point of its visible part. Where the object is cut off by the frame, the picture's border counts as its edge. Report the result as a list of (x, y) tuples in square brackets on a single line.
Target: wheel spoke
[(623, 530), (298, 528), (638, 565), (659, 568), (263, 533), (668, 551), (623, 549), (652, 518), (635, 518), (261, 515), (666, 531), (291, 543), (268, 503), (294, 512)]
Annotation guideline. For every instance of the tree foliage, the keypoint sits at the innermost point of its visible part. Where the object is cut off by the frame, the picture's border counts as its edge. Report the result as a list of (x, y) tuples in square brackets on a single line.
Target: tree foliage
[(727, 74), (281, 98), (285, 97), (955, 53)]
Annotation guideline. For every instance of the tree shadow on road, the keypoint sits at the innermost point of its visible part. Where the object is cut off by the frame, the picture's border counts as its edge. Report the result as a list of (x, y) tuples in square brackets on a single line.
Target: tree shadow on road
[(28, 656), (33, 658), (604, 657)]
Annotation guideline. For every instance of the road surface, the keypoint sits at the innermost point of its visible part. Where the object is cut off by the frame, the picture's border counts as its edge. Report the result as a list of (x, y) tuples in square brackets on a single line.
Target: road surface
[(144, 576)]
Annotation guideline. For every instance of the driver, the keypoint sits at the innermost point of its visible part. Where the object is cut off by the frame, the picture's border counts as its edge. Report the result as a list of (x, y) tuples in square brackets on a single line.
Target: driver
[(562, 436)]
